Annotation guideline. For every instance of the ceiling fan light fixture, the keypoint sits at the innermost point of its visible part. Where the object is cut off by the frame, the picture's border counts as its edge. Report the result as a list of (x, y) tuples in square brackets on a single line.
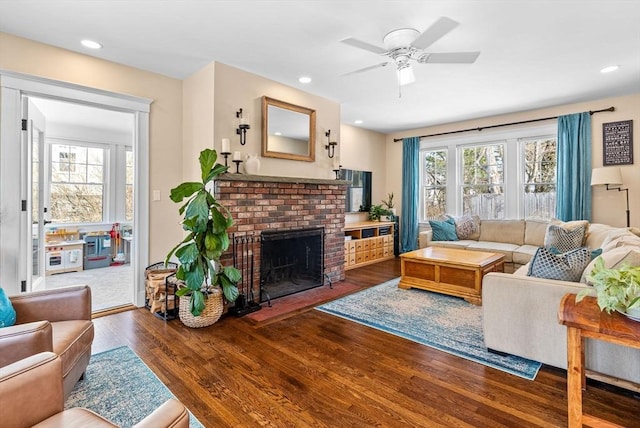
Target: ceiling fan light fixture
[(405, 75)]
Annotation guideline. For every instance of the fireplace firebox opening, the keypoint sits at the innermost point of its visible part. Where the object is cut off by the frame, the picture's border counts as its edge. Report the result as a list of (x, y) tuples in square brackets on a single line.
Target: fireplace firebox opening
[(291, 261)]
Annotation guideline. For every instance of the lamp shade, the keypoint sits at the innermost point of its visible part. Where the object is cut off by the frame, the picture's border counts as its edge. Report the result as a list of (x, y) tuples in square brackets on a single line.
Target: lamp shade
[(606, 175)]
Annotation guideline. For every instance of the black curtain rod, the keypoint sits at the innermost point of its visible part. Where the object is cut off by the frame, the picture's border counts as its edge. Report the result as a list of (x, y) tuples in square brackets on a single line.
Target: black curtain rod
[(480, 128)]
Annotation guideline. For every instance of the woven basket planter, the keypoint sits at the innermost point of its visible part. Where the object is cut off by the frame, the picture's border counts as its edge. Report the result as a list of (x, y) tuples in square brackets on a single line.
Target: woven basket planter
[(212, 310)]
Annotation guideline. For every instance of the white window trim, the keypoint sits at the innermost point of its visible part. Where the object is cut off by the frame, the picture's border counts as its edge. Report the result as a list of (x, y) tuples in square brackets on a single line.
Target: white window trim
[(513, 162)]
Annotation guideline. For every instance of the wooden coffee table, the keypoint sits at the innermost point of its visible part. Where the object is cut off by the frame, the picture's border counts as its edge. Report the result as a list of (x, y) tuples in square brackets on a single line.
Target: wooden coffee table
[(450, 271)]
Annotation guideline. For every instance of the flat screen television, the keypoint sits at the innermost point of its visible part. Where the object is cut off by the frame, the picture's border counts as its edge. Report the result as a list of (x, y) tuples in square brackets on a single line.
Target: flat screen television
[(359, 190)]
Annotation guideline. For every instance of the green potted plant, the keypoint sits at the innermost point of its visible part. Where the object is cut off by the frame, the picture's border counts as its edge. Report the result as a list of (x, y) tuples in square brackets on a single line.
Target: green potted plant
[(206, 221), (616, 288), (376, 212), (389, 204)]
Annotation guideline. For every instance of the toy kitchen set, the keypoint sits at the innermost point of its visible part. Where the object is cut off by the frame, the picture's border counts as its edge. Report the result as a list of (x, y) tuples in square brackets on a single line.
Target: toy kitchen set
[(68, 250)]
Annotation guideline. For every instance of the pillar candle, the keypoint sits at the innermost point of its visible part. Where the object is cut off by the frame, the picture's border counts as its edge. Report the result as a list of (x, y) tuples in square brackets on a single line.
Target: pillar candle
[(236, 156), (225, 146)]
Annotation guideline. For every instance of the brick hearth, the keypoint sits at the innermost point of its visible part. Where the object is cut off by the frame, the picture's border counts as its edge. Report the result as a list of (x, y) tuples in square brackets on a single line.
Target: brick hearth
[(260, 203)]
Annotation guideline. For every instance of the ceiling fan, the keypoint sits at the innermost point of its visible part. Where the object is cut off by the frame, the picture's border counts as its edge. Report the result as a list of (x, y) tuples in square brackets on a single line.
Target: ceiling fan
[(407, 45)]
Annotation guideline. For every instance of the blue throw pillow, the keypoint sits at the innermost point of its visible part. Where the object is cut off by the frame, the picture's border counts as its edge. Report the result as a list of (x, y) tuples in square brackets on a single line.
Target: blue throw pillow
[(7, 313), (564, 267), (444, 230)]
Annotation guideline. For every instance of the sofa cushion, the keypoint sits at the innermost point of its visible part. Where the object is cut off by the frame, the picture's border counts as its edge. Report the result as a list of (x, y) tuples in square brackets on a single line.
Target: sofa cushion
[(452, 244), (535, 232), (564, 267), (507, 231), (523, 254), (564, 239), (466, 226), (71, 340), (613, 259), (620, 238), (444, 230), (596, 234), (495, 247)]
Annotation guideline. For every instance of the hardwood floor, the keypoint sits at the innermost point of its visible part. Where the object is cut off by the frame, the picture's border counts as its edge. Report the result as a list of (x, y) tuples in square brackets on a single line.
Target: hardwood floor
[(314, 369)]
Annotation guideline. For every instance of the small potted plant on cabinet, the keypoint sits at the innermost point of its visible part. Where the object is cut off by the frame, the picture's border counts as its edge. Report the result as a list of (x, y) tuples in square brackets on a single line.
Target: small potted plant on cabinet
[(390, 207), (376, 212), (205, 278)]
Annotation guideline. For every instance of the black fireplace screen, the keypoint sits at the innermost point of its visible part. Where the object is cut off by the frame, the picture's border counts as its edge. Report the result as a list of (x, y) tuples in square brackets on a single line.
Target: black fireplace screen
[(290, 261)]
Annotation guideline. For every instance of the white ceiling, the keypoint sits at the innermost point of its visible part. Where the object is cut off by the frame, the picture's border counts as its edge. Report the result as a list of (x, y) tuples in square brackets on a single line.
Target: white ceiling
[(534, 53)]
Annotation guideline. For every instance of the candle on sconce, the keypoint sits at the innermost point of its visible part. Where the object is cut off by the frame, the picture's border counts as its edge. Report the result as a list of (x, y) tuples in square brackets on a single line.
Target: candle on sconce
[(226, 148), (236, 156)]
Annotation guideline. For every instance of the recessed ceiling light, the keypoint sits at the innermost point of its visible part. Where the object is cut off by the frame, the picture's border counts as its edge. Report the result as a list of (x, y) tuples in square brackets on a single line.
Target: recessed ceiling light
[(358, 122), (609, 69), (304, 79), (278, 133), (91, 44)]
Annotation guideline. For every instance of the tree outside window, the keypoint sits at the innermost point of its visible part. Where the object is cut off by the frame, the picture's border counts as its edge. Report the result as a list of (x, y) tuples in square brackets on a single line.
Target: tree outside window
[(434, 187), (483, 181), (77, 184), (539, 180)]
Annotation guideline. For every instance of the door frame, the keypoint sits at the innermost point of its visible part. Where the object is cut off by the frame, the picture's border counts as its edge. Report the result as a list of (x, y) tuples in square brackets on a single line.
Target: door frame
[(13, 86)]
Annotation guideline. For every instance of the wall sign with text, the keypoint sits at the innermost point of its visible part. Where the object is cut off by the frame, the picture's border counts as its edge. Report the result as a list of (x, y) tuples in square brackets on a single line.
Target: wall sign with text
[(617, 141)]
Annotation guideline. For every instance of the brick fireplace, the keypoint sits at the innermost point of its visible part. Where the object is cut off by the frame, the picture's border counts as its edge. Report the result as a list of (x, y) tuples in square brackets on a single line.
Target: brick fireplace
[(263, 203)]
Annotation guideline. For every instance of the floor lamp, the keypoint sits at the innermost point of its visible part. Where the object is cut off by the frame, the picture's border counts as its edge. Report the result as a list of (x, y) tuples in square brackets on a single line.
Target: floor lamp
[(610, 176)]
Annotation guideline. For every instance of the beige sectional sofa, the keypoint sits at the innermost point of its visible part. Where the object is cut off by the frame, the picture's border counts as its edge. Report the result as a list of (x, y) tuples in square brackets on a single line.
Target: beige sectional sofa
[(517, 240), (520, 312)]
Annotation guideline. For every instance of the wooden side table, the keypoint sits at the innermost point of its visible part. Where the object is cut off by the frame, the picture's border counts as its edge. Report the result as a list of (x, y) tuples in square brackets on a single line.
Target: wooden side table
[(585, 320)]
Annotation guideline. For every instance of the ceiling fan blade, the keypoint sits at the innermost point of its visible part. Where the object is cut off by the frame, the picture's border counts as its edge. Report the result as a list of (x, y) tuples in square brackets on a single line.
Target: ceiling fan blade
[(371, 67), (364, 45), (450, 58), (441, 27)]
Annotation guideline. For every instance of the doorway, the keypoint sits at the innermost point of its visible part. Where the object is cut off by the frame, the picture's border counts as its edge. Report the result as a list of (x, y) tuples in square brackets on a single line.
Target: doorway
[(86, 172), (17, 259)]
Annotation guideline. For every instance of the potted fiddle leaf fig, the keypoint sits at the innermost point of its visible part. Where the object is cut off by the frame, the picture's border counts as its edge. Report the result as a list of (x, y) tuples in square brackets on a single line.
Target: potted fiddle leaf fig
[(201, 271), (616, 288)]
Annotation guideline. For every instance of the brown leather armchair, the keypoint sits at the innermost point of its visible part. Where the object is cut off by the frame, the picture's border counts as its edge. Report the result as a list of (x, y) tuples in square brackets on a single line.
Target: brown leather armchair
[(32, 395), (58, 321)]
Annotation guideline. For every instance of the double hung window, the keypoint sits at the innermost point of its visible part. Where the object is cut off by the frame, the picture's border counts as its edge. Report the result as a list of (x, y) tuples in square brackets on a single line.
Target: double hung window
[(77, 184), (90, 182), (498, 175), (434, 186), (482, 182)]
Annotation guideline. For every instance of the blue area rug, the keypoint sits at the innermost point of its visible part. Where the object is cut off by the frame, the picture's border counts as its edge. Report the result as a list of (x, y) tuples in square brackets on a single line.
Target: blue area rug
[(119, 386), (443, 322)]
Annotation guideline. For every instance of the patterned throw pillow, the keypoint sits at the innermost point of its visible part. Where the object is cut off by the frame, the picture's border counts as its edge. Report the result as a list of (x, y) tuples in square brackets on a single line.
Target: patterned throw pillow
[(564, 267), (465, 226), (444, 230), (563, 239)]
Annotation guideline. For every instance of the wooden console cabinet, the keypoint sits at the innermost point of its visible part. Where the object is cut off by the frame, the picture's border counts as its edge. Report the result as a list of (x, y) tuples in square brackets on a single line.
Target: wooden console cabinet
[(367, 242)]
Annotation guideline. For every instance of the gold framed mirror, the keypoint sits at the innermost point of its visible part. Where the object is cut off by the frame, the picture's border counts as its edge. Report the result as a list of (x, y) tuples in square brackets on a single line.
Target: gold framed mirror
[(288, 131)]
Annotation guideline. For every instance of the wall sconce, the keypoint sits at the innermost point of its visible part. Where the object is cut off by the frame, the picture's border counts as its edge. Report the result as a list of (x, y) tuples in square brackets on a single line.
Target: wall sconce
[(242, 127), (610, 176), (331, 145)]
